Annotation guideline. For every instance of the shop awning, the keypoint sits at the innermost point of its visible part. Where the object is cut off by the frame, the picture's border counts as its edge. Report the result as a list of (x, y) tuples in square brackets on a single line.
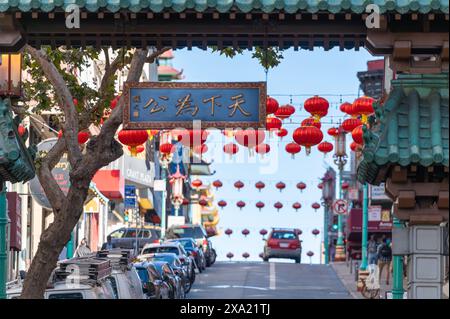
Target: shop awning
[(145, 204), (147, 209), (110, 183), (354, 225)]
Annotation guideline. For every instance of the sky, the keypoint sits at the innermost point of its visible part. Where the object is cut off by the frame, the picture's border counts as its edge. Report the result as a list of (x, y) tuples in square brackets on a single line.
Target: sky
[(301, 74)]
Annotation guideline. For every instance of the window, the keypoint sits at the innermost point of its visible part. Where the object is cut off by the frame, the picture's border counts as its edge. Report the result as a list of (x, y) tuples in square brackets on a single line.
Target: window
[(188, 232), (130, 233), (145, 234), (113, 283), (284, 235), (155, 250), (117, 234), (143, 274), (71, 295)]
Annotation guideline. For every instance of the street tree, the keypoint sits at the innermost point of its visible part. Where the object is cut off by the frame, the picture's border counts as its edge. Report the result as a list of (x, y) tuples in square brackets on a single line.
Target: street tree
[(53, 82)]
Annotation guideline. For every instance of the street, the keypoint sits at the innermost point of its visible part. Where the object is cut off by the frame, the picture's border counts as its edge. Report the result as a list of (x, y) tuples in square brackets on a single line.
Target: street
[(257, 280)]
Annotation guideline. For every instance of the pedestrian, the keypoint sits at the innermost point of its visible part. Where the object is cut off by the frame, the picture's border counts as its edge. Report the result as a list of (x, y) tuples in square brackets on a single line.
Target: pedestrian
[(83, 249), (108, 245), (372, 247), (384, 253)]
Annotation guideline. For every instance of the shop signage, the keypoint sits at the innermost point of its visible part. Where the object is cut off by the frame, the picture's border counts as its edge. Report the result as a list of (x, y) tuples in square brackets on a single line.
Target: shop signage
[(60, 174), (377, 193), (374, 213), (135, 171), (161, 105), (353, 194)]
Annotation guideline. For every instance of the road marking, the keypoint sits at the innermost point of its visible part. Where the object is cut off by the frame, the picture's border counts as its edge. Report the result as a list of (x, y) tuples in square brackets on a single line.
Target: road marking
[(272, 277), (236, 286)]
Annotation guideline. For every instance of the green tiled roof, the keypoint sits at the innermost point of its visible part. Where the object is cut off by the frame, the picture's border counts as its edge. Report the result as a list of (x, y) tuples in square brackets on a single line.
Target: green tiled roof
[(412, 127), (290, 6)]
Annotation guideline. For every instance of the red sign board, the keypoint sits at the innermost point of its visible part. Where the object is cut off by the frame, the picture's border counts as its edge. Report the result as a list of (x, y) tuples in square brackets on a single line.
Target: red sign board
[(354, 222), (15, 215)]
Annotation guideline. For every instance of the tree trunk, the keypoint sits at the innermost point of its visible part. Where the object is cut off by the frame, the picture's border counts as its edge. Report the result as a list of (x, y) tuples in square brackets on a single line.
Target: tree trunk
[(101, 150)]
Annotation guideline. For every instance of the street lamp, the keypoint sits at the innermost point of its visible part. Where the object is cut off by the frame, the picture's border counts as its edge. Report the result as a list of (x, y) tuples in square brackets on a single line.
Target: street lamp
[(10, 87), (340, 159)]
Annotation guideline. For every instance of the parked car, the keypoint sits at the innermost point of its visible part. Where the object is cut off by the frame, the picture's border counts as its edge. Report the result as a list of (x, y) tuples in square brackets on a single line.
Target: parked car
[(198, 233), (126, 238), (190, 246), (283, 243), (174, 248), (153, 284), (124, 279), (168, 274), (177, 266), (77, 278)]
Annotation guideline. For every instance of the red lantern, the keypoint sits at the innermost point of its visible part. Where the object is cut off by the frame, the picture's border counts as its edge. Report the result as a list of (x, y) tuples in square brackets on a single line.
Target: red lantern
[(250, 137), (133, 138), (21, 130), (196, 183), (320, 186), (310, 122), (262, 148), (310, 254), (316, 206), (273, 123), (296, 206), (334, 131), (355, 147), (240, 204), (349, 124), (230, 148), (315, 232), (260, 205), (246, 255), (185, 201), (346, 107), (261, 255), (114, 102), (193, 138), (271, 105), (301, 186), (200, 149), (75, 102), (263, 232), (325, 147), (363, 106), (239, 185), (345, 185), (166, 148), (317, 107), (308, 136), (278, 206), (280, 186), (293, 148), (203, 202), (260, 185), (299, 231), (217, 184), (230, 256), (228, 232), (245, 232), (282, 132), (357, 135), (285, 111), (139, 149), (222, 204)]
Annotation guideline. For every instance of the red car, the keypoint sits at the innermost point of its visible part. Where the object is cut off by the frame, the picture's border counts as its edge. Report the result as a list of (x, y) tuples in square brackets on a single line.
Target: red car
[(283, 243)]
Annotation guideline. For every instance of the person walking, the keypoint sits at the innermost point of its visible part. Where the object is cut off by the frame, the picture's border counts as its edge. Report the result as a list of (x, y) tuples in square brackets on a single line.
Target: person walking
[(83, 249), (384, 253), (372, 250)]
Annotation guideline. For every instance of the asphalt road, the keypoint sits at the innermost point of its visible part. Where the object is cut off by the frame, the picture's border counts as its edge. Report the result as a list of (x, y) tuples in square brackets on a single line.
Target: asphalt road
[(258, 280)]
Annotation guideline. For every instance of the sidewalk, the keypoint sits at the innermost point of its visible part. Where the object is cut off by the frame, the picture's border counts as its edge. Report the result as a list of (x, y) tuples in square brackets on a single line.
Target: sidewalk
[(349, 280)]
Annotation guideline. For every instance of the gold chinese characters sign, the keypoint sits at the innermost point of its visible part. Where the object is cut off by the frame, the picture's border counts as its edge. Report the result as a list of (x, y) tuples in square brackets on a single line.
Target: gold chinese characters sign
[(168, 105)]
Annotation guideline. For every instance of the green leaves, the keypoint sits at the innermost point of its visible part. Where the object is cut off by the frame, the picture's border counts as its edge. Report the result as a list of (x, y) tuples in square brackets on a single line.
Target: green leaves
[(267, 57)]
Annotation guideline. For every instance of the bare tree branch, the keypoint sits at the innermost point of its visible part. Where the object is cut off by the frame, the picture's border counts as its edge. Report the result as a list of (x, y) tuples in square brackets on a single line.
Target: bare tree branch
[(65, 98)]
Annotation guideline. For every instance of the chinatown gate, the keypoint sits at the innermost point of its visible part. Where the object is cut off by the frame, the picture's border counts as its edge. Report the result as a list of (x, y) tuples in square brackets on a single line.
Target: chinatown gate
[(407, 147)]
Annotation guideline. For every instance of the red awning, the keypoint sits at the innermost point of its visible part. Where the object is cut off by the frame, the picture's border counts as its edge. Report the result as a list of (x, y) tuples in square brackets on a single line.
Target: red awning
[(354, 225), (110, 183)]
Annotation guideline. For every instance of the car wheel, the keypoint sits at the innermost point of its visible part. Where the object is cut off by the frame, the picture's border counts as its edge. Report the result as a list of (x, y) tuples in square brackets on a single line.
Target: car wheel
[(298, 260), (266, 259)]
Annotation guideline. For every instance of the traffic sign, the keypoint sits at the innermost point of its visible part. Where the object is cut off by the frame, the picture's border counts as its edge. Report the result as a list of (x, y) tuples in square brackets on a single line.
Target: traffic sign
[(340, 207), (130, 196)]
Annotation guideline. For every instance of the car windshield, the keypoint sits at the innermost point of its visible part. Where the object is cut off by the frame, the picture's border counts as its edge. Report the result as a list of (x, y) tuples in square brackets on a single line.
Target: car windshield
[(73, 295), (187, 244), (183, 232), (161, 249), (284, 235), (167, 258)]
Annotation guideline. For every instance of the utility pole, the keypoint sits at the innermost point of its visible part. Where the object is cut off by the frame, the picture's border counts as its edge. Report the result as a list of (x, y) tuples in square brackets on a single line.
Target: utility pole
[(397, 280), (3, 234)]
